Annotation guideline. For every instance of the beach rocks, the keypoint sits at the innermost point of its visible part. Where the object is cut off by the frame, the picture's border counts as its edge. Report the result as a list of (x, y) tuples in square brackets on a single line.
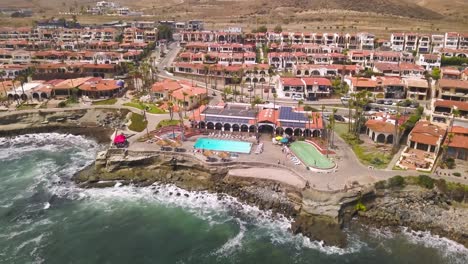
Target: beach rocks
[(421, 210)]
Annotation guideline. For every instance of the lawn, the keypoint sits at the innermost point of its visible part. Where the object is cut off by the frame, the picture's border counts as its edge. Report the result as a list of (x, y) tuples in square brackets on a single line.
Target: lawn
[(367, 154), (111, 101), (26, 106), (138, 123), (168, 122), (150, 108)]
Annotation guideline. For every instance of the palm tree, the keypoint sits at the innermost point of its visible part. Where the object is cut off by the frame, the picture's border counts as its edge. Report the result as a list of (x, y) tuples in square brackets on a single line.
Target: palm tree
[(428, 78), (275, 95), (170, 108), (299, 104), (235, 80), (226, 92), (242, 90), (184, 94), (2, 74), (22, 79), (333, 122), (206, 71)]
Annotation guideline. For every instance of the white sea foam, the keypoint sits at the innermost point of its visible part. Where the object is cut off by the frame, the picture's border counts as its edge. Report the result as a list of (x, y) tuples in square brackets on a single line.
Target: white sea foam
[(35, 240), (453, 251), (234, 243)]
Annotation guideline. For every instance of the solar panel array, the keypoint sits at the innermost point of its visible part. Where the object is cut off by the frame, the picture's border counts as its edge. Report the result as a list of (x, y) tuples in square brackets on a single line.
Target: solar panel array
[(293, 124), (287, 113), (216, 119)]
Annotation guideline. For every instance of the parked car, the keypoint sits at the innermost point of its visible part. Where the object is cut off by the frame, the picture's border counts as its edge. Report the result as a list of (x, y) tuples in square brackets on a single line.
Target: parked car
[(296, 97), (339, 118), (380, 101), (388, 102), (414, 105), (312, 98)]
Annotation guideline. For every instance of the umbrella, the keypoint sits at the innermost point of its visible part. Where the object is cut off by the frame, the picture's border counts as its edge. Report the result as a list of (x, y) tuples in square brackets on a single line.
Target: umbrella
[(284, 140), (208, 153), (176, 144), (120, 139), (224, 155), (278, 138), (162, 143)]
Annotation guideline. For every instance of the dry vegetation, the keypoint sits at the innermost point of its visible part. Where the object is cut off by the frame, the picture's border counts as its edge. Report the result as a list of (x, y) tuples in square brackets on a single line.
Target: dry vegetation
[(380, 16)]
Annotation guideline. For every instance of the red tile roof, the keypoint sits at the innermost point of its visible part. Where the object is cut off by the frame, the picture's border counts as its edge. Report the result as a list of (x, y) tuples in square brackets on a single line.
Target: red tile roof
[(100, 85), (291, 81), (426, 133), (380, 126), (447, 83), (449, 104)]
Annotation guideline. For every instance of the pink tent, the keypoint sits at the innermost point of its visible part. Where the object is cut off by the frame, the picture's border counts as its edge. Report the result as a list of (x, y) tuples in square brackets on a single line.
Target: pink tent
[(120, 139)]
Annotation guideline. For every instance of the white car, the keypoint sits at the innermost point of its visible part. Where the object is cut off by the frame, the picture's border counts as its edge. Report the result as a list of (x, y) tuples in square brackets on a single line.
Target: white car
[(297, 97)]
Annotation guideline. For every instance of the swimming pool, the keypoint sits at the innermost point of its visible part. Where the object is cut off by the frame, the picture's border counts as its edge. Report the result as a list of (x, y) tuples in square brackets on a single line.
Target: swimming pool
[(223, 145), (308, 154)]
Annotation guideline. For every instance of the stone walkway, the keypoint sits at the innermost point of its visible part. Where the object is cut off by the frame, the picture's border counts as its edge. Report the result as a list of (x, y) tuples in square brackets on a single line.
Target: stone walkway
[(275, 174)]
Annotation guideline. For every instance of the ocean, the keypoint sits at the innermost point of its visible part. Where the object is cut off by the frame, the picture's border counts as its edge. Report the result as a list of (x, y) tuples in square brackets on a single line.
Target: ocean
[(45, 218)]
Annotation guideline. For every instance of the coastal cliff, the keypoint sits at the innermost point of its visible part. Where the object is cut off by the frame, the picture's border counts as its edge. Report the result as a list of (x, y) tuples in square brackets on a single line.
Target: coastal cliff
[(96, 123), (317, 215), (418, 209)]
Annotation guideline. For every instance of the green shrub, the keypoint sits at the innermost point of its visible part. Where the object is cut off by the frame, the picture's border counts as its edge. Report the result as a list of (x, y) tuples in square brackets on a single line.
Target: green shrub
[(425, 181), (379, 185), (360, 207), (138, 123), (168, 122), (450, 163), (396, 182), (62, 104), (457, 174), (310, 108)]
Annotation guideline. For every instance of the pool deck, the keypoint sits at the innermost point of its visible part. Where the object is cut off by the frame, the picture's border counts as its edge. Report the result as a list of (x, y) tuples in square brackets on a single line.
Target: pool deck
[(348, 170)]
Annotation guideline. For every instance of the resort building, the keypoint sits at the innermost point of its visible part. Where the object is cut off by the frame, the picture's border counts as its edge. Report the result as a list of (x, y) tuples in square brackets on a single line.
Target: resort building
[(65, 88), (417, 89), (393, 87), (179, 92), (443, 112), (429, 61), (451, 73), (262, 119), (451, 40), (381, 127), (426, 136), (304, 88), (99, 88), (423, 146), (455, 90), (359, 84), (457, 143), (398, 41)]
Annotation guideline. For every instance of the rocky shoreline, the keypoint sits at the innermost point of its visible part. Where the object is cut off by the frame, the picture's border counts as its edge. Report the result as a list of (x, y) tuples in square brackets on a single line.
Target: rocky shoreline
[(98, 124), (420, 210), (316, 214)]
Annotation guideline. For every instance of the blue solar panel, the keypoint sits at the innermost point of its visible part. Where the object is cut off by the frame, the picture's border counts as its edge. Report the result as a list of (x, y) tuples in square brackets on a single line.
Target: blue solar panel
[(287, 113), (216, 119), (293, 124)]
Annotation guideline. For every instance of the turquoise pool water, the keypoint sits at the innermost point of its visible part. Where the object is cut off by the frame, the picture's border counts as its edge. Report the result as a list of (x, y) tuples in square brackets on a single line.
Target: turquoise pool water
[(223, 145)]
